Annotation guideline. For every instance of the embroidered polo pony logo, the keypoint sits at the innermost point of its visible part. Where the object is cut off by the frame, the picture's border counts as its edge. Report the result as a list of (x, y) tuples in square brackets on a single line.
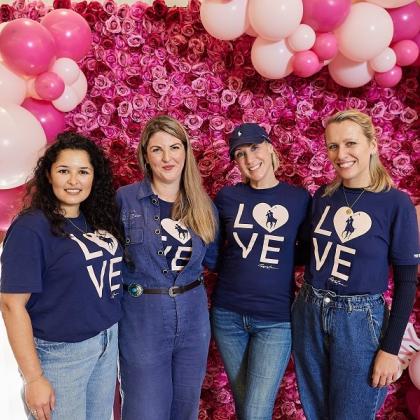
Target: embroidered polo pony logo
[(349, 229), (271, 220)]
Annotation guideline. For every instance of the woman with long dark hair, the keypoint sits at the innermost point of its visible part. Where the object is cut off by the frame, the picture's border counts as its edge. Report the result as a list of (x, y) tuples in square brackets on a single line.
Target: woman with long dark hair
[(61, 284)]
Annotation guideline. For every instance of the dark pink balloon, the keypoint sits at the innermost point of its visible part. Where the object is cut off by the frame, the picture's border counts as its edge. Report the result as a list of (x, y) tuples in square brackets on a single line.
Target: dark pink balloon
[(412, 398), (10, 204), (70, 31), (305, 63), (389, 78), (49, 86), (27, 47), (51, 119), (406, 51), (416, 39), (406, 21), (325, 15), (326, 46)]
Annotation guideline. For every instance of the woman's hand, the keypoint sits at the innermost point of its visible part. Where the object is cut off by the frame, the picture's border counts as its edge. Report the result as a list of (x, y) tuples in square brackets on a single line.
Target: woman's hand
[(386, 369), (40, 398)]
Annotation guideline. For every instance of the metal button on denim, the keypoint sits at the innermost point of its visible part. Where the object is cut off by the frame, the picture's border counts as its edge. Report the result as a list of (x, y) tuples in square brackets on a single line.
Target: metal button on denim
[(157, 231), (127, 241), (154, 201), (156, 217), (164, 271), (160, 252), (327, 300)]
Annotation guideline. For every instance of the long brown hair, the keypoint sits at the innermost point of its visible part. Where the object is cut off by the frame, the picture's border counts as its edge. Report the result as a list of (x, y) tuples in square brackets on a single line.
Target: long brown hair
[(380, 179), (193, 206)]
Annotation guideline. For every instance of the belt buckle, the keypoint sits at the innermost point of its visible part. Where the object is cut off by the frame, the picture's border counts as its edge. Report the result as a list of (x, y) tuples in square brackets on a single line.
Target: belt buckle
[(171, 291), (135, 289)]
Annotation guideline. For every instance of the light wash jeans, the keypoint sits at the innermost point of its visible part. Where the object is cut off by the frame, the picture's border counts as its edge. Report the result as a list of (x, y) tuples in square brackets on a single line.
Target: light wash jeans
[(82, 374), (335, 340), (255, 354)]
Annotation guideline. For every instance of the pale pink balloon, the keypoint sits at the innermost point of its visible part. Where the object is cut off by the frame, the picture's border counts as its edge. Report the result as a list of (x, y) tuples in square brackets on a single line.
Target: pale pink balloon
[(302, 39), (71, 32), (27, 47), (365, 33), (2, 26), (326, 46), (275, 19), (224, 20), (325, 15), (67, 101), (49, 86), (406, 51), (389, 78), (12, 87), (390, 4), (30, 88), (271, 59), (348, 73), (385, 61), (51, 120), (11, 201), (251, 31), (80, 87), (305, 63), (67, 69), (22, 140), (406, 21), (414, 370)]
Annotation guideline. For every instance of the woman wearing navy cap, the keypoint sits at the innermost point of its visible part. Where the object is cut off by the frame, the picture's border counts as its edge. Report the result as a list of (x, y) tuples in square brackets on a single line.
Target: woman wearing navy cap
[(259, 221), (169, 223), (345, 343)]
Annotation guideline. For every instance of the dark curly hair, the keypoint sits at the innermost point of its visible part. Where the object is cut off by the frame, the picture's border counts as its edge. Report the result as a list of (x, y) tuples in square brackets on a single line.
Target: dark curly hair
[(99, 208)]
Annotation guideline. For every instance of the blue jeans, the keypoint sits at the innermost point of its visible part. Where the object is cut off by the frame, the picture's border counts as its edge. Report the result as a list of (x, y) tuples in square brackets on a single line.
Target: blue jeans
[(335, 340), (255, 354), (82, 374)]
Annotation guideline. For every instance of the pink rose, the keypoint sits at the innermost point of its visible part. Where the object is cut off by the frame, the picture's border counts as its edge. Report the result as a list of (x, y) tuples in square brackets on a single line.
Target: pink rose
[(128, 26), (228, 98), (102, 82), (408, 115), (193, 121), (79, 120), (124, 109), (113, 25)]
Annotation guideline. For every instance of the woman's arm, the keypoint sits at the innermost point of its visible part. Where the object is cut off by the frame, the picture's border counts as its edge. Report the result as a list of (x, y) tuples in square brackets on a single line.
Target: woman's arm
[(39, 394)]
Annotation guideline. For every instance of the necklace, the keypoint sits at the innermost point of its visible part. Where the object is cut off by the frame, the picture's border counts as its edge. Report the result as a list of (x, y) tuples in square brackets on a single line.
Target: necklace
[(77, 227), (350, 207)]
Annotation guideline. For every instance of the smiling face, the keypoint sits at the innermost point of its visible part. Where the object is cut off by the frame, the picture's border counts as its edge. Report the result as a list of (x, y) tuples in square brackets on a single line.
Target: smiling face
[(71, 178), (255, 162), (166, 156), (349, 151)]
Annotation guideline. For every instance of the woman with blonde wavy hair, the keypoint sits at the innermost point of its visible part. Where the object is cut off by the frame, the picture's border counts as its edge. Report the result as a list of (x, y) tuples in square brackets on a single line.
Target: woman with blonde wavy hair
[(169, 225), (345, 340)]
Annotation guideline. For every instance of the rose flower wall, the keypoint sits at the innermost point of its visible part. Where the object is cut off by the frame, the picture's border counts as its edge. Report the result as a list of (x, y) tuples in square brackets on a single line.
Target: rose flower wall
[(147, 60)]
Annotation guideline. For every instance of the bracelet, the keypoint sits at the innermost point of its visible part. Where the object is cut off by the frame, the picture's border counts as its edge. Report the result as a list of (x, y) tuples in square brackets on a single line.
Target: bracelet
[(25, 382)]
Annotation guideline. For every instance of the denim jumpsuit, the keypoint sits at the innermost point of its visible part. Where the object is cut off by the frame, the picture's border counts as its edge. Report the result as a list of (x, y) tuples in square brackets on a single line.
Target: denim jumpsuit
[(163, 340)]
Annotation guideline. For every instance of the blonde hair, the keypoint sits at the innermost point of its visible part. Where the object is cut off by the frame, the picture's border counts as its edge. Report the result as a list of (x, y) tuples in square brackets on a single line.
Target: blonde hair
[(193, 206), (380, 179), (275, 161)]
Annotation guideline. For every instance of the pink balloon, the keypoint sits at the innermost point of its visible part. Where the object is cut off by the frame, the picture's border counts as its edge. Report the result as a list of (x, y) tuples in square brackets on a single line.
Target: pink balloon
[(27, 47), (70, 31), (52, 120), (11, 201), (275, 19), (366, 32), (349, 73), (251, 31), (414, 370), (325, 46), (21, 141), (305, 63), (406, 51), (271, 59), (325, 15), (406, 21), (224, 20), (389, 78), (49, 86), (416, 39), (385, 61), (302, 39), (12, 87), (412, 397), (389, 4)]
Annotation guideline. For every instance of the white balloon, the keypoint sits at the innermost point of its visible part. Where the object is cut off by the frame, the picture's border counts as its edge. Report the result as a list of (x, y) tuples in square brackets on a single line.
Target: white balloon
[(348, 73), (22, 141), (12, 87), (302, 39), (385, 61), (80, 86), (67, 69), (67, 101)]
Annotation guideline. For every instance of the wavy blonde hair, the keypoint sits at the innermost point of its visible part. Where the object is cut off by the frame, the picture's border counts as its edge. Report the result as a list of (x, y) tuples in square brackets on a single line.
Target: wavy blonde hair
[(193, 206), (379, 176)]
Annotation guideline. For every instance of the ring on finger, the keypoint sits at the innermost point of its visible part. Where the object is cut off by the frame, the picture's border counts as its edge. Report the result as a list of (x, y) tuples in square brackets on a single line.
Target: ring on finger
[(34, 413)]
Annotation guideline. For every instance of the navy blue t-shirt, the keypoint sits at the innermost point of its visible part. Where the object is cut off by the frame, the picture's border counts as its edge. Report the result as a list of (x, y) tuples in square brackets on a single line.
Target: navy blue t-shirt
[(260, 228), (175, 237), (352, 250), (75, 281)]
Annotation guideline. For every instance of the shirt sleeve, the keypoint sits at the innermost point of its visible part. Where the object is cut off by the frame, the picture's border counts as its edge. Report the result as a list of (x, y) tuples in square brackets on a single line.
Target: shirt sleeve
[(212, 254), (22, 261)]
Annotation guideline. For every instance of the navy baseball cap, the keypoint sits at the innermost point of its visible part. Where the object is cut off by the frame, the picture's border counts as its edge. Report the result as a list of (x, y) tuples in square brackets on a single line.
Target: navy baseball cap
[(248, 133)]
